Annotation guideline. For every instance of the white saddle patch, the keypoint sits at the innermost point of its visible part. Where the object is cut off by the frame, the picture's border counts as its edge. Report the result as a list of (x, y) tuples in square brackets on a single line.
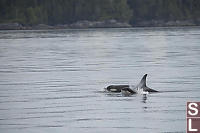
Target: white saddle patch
[(141, 91)]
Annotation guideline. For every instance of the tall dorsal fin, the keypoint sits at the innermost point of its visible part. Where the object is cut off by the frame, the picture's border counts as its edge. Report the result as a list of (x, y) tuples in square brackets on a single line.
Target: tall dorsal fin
[(143, 81)]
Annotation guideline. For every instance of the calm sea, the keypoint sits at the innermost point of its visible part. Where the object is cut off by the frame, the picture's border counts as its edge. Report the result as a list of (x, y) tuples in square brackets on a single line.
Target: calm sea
[(52, 80)]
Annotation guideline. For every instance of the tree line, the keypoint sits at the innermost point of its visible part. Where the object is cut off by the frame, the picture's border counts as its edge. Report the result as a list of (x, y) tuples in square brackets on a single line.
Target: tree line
[(52, 12)]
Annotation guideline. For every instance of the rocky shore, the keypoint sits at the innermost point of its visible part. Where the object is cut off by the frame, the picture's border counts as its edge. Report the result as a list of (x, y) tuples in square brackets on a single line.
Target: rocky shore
[(77, 25), (100, 24), (162, 23)]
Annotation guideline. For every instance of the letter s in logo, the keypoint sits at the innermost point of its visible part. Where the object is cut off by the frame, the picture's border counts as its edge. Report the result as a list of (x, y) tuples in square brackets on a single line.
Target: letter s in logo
[(193, 108)]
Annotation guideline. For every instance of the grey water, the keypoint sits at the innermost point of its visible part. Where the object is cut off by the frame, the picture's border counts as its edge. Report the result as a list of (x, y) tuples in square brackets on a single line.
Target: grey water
[(52, 80)]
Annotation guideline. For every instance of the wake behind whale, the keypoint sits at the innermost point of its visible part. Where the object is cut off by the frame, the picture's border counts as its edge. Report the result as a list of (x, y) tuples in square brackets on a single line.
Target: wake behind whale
[(140, 88)]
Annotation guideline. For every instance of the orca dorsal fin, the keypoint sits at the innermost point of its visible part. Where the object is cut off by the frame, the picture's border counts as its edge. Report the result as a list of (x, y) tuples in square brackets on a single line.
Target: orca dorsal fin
[(143, 81)]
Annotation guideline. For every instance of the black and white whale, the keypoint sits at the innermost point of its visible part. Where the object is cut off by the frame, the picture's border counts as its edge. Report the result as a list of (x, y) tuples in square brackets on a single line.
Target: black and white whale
[(130, 89)]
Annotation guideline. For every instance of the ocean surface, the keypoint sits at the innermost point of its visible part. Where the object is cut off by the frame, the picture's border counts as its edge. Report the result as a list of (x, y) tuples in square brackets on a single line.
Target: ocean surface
[(51, 81)]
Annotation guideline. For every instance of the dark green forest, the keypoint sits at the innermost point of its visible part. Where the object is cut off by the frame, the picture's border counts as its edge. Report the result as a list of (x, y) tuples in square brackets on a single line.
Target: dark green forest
[(52, 12)]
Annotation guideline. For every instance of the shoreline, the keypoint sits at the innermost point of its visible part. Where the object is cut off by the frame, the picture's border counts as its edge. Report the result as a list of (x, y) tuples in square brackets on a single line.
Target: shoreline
[(77, 25), (100, 24)]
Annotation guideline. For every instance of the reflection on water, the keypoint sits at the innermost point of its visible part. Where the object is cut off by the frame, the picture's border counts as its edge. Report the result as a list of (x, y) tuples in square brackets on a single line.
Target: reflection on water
[(144, 98), (52, 81)]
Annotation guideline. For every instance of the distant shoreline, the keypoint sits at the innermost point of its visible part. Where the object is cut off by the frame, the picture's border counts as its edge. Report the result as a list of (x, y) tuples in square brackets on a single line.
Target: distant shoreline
[(100, 24)]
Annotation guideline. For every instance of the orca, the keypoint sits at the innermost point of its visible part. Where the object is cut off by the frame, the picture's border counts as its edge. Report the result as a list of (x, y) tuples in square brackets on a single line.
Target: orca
[(140, 88), (127, 91), (115, 88)]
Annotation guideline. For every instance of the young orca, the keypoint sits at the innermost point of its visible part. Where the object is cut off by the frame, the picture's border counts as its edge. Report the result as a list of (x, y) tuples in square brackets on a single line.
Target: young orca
[(116, 88), (129, 89)]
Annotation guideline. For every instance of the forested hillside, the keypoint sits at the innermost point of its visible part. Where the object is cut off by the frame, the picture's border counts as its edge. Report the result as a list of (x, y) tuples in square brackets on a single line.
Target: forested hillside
[(52, 12), (165, 10)]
